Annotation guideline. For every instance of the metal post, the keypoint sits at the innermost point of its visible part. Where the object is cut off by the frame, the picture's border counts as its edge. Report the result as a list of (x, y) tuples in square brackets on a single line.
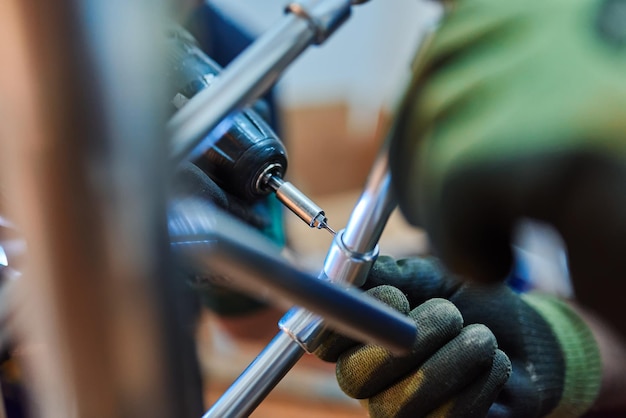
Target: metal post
[(343, 265), (82, 169)]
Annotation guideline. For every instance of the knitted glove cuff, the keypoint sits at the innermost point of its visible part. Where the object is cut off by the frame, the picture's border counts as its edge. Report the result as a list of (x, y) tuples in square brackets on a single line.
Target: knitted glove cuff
[(580, 350)]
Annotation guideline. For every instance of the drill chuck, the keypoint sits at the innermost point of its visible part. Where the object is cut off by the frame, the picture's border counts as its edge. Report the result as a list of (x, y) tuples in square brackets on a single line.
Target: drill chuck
[(240, 158)]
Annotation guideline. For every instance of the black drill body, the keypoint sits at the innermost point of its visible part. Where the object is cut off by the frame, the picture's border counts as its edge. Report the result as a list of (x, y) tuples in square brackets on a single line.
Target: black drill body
[(249, 149)]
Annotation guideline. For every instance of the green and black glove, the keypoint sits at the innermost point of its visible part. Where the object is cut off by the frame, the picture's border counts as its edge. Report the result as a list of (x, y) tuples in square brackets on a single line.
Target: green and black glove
[(517, 109), (455, 369)]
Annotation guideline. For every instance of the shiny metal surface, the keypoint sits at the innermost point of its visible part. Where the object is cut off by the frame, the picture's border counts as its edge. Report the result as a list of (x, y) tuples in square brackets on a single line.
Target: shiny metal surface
[(258, 380), (299, 203), (372, 210), (350, 264), (205, 238), (354, 249), (348, 259), (304, 327), (212, 242), (246, 78), (345, 266)]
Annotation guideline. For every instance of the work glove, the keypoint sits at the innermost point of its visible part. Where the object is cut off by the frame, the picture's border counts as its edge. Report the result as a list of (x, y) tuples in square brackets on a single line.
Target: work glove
[(216, 291), (455, 369), (517, 109)]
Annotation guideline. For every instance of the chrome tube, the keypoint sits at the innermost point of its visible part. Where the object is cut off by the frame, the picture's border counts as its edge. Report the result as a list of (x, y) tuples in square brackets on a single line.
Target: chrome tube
[(252, 73), (258, 380), (344, 264), (372, 211), (349, 265), (211, 242), (355, 248), (245, 79)]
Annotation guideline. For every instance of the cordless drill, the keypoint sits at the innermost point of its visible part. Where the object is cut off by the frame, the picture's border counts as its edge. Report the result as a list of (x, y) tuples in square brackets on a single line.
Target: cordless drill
[(248, 160)]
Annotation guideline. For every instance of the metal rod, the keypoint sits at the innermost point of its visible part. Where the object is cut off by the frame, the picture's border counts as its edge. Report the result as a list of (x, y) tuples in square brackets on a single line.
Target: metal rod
[(253, 72), (369, 216), (258, 380), (343, 265), (246, 78), (213, 243)]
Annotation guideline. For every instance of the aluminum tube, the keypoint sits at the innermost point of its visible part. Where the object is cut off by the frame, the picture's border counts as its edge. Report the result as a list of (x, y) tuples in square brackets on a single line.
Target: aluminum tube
[(258, 379), (352, 252), (372, 210), (251, 74), (341, 265), (354, 249), (212, 243)]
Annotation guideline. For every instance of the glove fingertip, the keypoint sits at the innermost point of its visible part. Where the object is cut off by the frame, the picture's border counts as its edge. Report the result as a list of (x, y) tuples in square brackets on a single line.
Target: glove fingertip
[(502, 368), (440, 317), (391, 296)]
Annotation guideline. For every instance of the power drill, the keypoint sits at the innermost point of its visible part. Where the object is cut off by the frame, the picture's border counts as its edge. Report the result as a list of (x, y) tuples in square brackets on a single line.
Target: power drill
[(248, 160)]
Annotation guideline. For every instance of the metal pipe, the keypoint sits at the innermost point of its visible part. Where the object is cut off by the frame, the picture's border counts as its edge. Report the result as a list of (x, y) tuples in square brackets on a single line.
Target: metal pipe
[(252, 73), (346, 265), (258, 380), (353, 250), (245, 79), (214, 243), (343, 264), (369, 216)]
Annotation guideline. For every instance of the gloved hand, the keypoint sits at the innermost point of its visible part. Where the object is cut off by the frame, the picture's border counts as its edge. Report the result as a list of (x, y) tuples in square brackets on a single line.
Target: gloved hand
[(455, 369), (518, 109)]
